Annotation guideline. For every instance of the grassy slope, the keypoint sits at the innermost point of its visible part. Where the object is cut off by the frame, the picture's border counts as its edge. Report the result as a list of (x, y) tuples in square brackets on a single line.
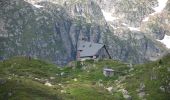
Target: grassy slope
[(24, 79), (19, 74), (153, 75)]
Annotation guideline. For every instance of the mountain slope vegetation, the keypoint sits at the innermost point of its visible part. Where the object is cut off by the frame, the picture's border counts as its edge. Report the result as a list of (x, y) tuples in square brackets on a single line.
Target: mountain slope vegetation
[(24, 78)]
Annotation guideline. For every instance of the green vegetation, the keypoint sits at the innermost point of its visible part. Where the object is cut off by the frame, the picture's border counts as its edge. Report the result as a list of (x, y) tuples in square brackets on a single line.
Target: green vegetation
[(155, 78), (18, 79), (24, 78)]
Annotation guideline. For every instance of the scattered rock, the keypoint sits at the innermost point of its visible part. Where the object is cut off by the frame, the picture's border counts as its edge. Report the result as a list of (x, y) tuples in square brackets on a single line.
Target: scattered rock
[(131, 75), (48, 84), (41, 80), (94, 65), (126, 94), (141, 94), (52, 78), (153, 77), (159, 66), (75, 79), (61, 85), (9, 77), (100, 84), (109, 89), (141, 91), (9, 94), (67, 81), (131, 69), (130, 65), (2, 81), (142, 87), (168, 69), (127, 97), (63, 91), (162, 88), (62, 73)]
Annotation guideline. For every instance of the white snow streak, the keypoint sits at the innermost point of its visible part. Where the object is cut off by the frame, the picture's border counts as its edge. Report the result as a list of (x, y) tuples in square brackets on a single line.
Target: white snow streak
[(124, 24), (131, 28), (134, 29), (108, 16), (146, 19), (37, 6), (114, 26), (166, 41)]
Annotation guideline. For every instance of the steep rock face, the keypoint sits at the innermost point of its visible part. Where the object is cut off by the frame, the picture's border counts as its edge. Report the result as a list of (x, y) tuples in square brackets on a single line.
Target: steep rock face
[(31, 31), (168, 6), (46, 32), (87, 9), (51, 32), (135, 47)]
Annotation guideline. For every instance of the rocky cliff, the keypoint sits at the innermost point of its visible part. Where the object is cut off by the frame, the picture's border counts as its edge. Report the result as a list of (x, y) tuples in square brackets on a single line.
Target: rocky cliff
[(51, 30)]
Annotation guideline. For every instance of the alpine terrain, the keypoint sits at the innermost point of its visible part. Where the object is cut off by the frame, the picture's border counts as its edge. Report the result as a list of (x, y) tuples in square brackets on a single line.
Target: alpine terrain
[(42, 43)]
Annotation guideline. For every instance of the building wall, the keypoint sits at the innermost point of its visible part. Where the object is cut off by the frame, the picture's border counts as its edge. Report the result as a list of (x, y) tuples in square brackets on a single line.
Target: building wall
[(103, 54), (85, 58), (108, 73), (78, 55)]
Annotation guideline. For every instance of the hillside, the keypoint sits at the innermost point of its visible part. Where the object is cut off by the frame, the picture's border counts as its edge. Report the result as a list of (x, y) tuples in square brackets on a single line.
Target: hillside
[(24, 78)]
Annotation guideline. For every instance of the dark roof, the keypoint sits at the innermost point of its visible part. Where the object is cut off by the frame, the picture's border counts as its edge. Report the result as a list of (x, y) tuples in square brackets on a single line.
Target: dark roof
[(89, 48)]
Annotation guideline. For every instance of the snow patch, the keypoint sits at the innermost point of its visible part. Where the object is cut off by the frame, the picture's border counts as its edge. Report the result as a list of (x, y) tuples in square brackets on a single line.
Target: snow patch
[(37, 6), (166, 41), (145, 19), (124, 24), (161, 5), (134, 29), (108, 16), (114, 27), (131, 28)]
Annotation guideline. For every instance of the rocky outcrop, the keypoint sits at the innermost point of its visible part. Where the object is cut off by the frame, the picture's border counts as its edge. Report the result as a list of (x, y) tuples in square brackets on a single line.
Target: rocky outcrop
[(131, 12)]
